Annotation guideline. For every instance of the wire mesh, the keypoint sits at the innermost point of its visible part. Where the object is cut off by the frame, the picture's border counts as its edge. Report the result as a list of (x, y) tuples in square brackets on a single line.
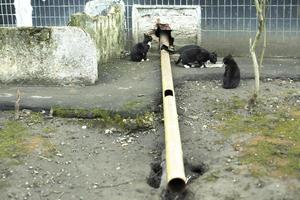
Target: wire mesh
[(7, 13), (55, 12), (217, 16)]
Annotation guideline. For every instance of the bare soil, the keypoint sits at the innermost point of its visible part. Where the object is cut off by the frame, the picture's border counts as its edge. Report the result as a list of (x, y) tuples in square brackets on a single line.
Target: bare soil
[(83, 159)]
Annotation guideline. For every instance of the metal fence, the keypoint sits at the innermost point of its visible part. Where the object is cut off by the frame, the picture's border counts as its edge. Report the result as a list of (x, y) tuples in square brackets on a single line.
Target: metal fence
[(283, 16), (7, 13)]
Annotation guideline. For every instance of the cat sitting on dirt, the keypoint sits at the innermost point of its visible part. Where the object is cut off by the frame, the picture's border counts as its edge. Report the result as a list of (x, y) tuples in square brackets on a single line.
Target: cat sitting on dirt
[(194, 53), (140, 50), (231, 77)]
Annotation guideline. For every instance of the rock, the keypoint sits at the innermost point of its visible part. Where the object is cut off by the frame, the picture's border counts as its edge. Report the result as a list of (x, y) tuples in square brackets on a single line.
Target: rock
[(109, 39), (56, 55)]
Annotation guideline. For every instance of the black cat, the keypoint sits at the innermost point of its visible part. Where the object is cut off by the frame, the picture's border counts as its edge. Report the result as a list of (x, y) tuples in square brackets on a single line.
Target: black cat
[(140, 50), (231, 77), (199, 55), (186, 47)]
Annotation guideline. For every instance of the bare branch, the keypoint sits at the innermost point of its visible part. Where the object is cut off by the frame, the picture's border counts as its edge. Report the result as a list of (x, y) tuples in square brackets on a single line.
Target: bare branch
[(17, 104)]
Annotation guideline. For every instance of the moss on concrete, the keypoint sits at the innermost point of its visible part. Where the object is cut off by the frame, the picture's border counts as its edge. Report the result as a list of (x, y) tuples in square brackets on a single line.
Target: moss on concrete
[(29, 34), (274, 148), (107, 118), (107, 32)]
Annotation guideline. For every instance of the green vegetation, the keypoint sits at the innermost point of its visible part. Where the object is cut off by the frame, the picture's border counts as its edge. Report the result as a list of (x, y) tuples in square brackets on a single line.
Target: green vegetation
[(99, 117), (16, 141), (3, 184), (12, 138), (131, 105), (36, 118), (274, 148), (213, 176)]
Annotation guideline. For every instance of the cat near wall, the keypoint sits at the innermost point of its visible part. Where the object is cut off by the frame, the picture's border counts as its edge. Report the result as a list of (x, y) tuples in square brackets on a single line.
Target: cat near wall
[(194, 53), (140, 50)]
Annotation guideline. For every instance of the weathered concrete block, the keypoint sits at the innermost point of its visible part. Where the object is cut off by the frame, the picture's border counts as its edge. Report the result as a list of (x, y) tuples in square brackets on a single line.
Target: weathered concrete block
[(106, 30), (185, 22), (56, 55), (96, 7)]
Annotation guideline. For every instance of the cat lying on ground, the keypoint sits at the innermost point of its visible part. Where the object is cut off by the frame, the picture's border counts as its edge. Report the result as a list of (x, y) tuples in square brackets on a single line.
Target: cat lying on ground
[(193, 53)]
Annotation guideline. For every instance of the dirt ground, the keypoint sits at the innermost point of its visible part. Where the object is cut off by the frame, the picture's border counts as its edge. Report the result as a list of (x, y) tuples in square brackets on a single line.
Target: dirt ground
[(83, 159)]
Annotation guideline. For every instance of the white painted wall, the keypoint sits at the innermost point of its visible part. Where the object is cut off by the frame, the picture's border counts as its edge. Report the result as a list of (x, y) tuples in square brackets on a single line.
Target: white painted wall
[(23, 12), (185, 22)]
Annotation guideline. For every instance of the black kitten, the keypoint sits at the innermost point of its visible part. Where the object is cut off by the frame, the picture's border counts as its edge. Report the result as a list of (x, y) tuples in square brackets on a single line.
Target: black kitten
[(140, 50), (199, 55), (231, 77)]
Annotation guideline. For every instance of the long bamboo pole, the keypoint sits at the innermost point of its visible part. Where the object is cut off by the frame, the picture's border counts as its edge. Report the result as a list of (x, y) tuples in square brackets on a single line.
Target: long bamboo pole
[(174, 157)]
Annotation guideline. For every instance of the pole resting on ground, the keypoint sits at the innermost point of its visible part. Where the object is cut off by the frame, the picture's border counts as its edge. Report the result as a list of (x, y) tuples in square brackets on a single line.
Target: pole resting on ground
[(176, 179)]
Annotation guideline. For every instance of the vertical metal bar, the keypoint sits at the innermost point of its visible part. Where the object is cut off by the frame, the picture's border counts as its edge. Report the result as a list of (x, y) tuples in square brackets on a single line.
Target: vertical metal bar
[(40, 13), (291, 4), (237, 15), (283, 20), (231, 18), (298, 16), (218, 8), (250, 17), (244, 16), (6, 14)]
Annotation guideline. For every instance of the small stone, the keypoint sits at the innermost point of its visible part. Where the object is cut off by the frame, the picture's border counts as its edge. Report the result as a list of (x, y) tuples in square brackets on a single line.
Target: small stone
[(59, 155), (95, 185), (108, 131)]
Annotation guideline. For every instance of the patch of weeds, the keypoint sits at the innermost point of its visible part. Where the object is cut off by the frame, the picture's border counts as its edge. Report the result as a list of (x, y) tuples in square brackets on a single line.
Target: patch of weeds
[(36, 118), (274, 149), (12, 138), (138, 122), (16, 141), (40, 145), (49, 129), (131, 105), (3, 184), (213, 176)]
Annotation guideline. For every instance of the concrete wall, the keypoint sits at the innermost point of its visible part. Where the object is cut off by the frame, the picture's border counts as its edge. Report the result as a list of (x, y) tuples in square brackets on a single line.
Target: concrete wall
[(185, 22), (107, 31), (237, 43), (43, 56)]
